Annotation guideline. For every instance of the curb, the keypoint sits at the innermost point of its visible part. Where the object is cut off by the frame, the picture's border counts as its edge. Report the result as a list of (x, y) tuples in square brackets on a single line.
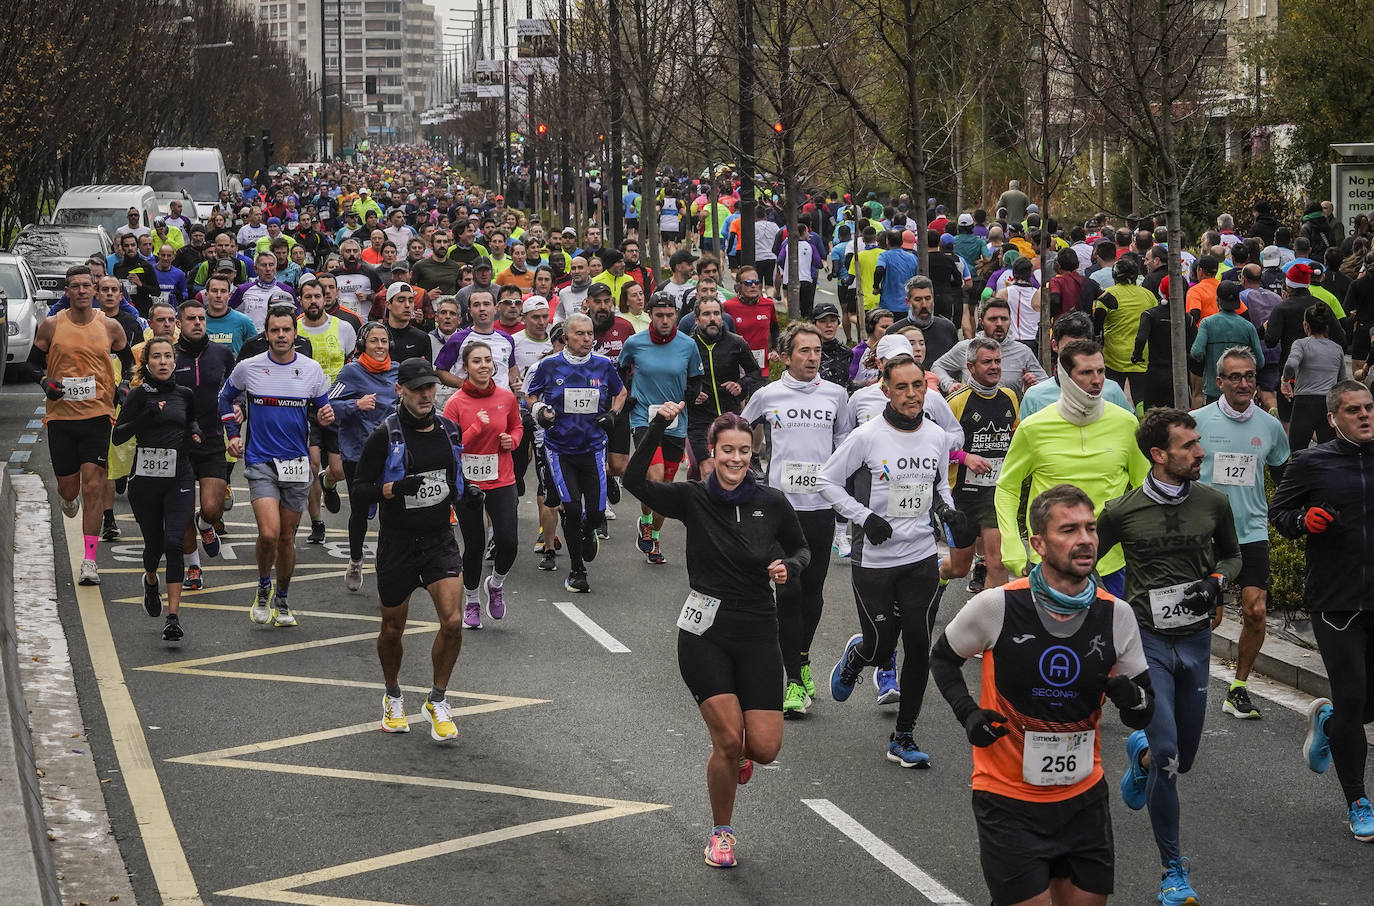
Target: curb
[(1280, 660)]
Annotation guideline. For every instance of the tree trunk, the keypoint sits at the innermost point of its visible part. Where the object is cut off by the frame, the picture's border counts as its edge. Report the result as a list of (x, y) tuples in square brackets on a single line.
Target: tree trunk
[(648, 221)]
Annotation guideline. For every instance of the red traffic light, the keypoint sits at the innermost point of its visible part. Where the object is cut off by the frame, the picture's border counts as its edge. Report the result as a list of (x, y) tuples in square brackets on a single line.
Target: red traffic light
[(542, 129), (777, 127)]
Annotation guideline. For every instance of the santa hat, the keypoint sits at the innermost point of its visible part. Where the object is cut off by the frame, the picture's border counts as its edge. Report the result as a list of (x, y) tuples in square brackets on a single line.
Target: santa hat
[(1299, 276)]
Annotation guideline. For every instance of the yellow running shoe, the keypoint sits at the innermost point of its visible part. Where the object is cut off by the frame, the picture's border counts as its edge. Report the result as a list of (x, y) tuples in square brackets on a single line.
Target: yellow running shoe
[(441, 725), (394, 715)]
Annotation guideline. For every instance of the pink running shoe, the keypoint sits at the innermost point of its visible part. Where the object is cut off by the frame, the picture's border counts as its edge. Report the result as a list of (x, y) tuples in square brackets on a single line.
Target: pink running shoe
[(746, 770), (720, 851), (472, 615)]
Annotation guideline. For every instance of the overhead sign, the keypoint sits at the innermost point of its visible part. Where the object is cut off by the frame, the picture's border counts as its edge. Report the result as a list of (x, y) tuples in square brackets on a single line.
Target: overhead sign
[(530, 28)]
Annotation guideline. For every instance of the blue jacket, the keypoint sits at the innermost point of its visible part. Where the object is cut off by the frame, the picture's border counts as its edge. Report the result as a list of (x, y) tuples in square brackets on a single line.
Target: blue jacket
[(353, 383)]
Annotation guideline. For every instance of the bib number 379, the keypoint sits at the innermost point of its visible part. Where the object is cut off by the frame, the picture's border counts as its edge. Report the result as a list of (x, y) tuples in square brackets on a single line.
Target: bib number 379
[(698, 613)]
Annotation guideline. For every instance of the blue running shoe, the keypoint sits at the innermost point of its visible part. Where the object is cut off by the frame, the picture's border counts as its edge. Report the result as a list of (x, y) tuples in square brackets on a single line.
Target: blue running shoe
[(885, 678), (1317, 746), (844, 677), (1174, 889), (903, 750), (1134, 780), (1362, 820)]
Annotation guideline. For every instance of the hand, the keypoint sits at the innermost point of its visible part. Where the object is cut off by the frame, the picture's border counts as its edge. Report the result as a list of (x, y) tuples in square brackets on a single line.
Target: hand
[(1218, 616), (1317, 519), (506, 441), (121, 394), (1202, 596), (701, 398), (606, 421), (1125, 693), (877, 529), (1028, 378), (326, 415), (53, 389), (405, 487), (516, 384), (1287, 389), (953, 520), (733, 388), (543, 415), (367, 403), (472, 494), (773, 355), (235, 447), (483, 417), (777, 572), (955, 388), (238, 413), (669, 411), (984, 727), (133, 278), (977, 464)]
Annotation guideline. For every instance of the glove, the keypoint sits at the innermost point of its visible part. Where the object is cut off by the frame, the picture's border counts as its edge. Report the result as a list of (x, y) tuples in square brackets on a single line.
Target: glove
[(983, 727), (472, 494), (544, 415), (877, 529), (53, 389), (953, 520), (407, 486), (1125, 694), (1317, 519), (526, 420), (1202, 596), (606, 420), (121, 394)]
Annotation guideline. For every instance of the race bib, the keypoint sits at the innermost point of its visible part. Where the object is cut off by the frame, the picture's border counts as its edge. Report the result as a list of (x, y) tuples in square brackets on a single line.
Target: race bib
[(581, 400), (79, 389), (1166, 606), (433, 489), (908, 499), (479, 466), (759, 356), (653, 411), (155, 462), (698, 613), (1236, 469), (1057, 759), (800, 477), (130, 290), (984, 481), (293, 471)]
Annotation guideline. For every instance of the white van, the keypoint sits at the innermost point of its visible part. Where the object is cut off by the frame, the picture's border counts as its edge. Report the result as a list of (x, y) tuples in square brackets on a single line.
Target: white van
[(105, 206), (200, 172)]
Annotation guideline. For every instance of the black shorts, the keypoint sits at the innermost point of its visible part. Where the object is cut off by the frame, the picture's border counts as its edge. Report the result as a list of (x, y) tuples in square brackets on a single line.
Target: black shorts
[(766, 268), (406, 562), (619, 439), (1023, 845), (849, 298), (738, 656), (733, 258), (1254, 565), (210, 464), (1285, 407), (978, 506), (670, 235), (631, 223), (672, 447), (74, 442), (326, 437)]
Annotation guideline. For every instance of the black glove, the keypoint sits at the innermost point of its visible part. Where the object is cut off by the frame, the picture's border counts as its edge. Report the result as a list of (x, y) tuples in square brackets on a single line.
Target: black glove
[(121, 394), (1202, 596), (1125, 693), (53, 389), (472, 494), (877, 529), (983, 727), (526, 420), (405, 487), (955, 521), (544, 415), (606, 420)]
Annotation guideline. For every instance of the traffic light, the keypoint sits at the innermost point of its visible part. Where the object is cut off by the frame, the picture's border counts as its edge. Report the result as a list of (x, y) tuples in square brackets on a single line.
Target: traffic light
[(379, 106), (542, 129), (777, 128), (370, 84), (249, 143), (267, 147)]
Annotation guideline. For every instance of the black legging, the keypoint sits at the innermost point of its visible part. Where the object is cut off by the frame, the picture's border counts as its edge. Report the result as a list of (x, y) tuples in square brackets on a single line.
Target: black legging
[(1346, 640), (1158, 387), (806, 298), (1308, 419), (892, 600), (801, 600), (357, 516), (579, 481), (162, 507), (500, 506)]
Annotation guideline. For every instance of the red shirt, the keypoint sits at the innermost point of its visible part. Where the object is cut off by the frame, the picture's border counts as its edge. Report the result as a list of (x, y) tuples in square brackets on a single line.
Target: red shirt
[(610, 342), (484, 440), (754, 323)]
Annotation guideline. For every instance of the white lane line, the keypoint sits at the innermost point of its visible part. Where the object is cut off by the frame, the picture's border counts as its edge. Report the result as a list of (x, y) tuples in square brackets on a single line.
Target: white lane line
[(590, 627), (35, 423), (898, 864), (40, 410), (19, 456), (28, 438)]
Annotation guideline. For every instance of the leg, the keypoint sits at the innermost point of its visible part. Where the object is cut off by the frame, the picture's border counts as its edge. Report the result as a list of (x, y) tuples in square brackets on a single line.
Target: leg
[(819, 528), (564, 478), (502, 505), (959, 563), (314, 501), (448, 641), (992, 554), (875, 596), (389, 644), (267, 514), (1346, 645), (176, 513), (94, 487), (1062, 892), (473, 529), (915, 611), (290, 520), (357, 516), (1253, 611), (1161, 789), (725, 722)]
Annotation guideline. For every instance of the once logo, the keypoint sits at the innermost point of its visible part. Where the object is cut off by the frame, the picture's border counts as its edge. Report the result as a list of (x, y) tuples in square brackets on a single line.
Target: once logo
[(1059, 666)]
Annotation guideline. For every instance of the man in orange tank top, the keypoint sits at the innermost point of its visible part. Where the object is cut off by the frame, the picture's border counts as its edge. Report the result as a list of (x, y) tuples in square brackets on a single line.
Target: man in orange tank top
[(71, 361)]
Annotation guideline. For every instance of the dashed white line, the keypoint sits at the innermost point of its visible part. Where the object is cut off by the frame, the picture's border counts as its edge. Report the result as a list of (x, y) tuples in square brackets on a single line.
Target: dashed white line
[(19, 456), (35, 423), (894, 861), (28, 438), (590, 627)]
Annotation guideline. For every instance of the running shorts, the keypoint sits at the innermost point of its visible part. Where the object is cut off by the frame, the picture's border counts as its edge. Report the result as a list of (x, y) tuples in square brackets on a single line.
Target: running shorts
[(73, 442), (262, 483), (1254, 565), (407, 561), (738, 656), (211, 464)]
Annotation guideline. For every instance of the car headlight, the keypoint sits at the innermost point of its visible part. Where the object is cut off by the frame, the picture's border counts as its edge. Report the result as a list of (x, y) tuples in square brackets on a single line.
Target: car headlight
[(14, 328)]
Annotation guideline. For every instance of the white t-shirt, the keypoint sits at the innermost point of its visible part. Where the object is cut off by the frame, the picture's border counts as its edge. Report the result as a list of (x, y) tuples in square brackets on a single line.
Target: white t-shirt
[(803, 425), (528, 351)]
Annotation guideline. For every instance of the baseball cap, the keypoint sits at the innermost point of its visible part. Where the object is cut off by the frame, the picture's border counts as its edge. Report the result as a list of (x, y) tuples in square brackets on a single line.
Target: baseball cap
[(274, 221), (681, 256), (534, 303), (364, 191), (1299, 276), (570, 231), (500, 198), (893, 344), (598, 289), (824, 310), (227, 264), (1270, 256), (482, 263), (400, 267), (397, 288), (1228, 296), (415, 373), (946, 239), (965, 220)]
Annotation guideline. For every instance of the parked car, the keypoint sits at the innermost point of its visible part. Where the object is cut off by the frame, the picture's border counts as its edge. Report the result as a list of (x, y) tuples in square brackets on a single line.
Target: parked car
[(27, 307), (106, 206), (51, 248)]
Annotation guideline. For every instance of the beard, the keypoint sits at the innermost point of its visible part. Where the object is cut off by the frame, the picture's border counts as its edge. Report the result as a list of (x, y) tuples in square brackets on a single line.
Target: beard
[(602, 320), (710, 332)]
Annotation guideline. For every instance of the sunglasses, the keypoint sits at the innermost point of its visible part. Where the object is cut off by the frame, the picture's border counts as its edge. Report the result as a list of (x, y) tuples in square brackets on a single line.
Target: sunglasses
[(750, 282)]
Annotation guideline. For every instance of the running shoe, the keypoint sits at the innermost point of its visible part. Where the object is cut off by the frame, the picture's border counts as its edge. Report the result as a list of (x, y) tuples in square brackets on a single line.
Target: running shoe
[(795, 701), (902, 750), (979, 579), (472, 615), (329, 494), (353, 575), (171, 630), (577, 581), (720, 849), (152, 599), (496, 601), (1174, 889), (842, 546), (603, 531), (228, 498), (885, 678), (746, 770), (843, 678), (441, 725), (282, 617), (1361, 819), (645, 541), (90, 573), (394, 714), (194, 580), (1134, 780), (261, 612), (108, 530), (808, 681), (612, 492), (591, 544), (539, 543), (209, 539), (71, 507), (316, 535), (655, 556), (549, 562), (1317, 746), (1238, 704), (610, 513), (491, 550)]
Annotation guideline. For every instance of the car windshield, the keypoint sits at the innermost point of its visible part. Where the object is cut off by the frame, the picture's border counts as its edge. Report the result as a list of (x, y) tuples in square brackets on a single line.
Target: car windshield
[(110, 218), (39, 244), (11, 284), (200, 186)]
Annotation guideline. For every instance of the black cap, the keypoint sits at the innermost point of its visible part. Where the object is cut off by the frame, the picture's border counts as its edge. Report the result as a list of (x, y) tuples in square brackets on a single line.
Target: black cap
[(824, 310), (482, 262), (598, 289), (415, 373), (1228, 296), (610, 256), (400, 266), (681, 256)]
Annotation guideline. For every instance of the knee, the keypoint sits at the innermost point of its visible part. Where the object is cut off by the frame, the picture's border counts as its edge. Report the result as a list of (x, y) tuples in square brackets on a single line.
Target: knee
[(730, 747), (451, 626), (269, 536), (765, 751), (391, 630), (1254, 614)]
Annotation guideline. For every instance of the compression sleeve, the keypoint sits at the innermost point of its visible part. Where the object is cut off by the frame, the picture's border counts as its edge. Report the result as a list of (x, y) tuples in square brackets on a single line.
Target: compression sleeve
[(227, 396), (947, 669)]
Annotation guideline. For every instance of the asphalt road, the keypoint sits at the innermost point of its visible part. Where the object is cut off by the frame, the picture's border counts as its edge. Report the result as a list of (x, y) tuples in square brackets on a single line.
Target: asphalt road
[(579, 774)]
